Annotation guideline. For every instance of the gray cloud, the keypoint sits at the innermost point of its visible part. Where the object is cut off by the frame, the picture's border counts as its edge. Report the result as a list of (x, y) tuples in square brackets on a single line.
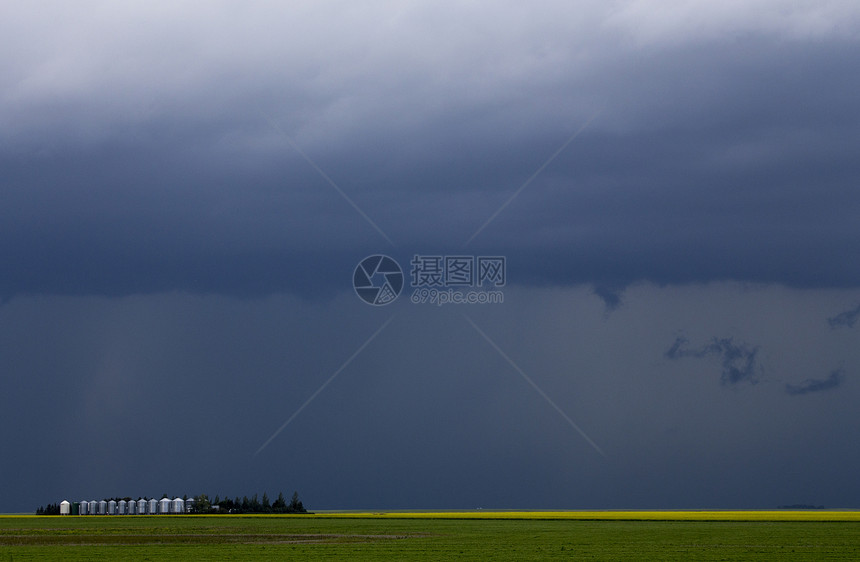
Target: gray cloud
[(816, 385), (738, 360), (718, 155), (845, 319), (162, 241), (612, 296)]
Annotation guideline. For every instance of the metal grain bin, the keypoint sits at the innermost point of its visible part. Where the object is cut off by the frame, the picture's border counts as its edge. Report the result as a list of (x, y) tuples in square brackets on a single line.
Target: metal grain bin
[(177, 505)]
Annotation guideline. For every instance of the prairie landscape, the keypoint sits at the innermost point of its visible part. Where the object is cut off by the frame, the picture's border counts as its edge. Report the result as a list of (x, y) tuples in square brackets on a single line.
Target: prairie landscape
[(468, 535)]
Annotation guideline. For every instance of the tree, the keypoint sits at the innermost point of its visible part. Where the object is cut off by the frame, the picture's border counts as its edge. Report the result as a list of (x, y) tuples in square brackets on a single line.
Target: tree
[(50, 509), (227, 505), (296, 505), (280, 504), (202, 504)]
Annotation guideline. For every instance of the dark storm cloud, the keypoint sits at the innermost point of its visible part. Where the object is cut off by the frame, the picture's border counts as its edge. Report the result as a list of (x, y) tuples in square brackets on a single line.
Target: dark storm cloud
[(737, 360), (816, 385), (611, 296), (845, 319), (164, 245), (714, 157)]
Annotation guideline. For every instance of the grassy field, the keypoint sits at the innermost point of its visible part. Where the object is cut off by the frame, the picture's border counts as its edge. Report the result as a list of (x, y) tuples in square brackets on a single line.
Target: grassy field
[(612, 535)]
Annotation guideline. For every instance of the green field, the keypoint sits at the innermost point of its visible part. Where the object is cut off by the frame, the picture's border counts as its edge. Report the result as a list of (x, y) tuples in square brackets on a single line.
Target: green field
[(612, 535)]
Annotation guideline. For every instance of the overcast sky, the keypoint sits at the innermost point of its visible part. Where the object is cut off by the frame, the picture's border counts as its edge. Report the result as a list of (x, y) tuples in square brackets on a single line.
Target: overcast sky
[(186, 191)]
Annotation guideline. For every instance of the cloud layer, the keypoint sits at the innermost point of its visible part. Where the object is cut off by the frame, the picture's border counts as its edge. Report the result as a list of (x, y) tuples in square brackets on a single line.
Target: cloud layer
[(147, 148), (186, 191)]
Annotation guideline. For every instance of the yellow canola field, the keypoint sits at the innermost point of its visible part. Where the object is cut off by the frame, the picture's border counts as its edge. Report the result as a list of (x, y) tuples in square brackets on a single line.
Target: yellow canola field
[(703, 515), (632, 515)]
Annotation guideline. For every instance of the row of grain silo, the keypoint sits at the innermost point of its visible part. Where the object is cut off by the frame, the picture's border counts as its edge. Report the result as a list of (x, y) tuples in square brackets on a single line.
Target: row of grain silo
[(164, 506)]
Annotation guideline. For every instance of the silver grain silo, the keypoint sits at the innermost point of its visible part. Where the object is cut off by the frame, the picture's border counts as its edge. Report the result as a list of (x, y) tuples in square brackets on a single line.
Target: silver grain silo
[(83, 509), (103, 507), (111, 507), (65, 507), (121, 507), (177, 505), (164, 505), (93, 507), (152, 506), (189, 505), (141, 506)]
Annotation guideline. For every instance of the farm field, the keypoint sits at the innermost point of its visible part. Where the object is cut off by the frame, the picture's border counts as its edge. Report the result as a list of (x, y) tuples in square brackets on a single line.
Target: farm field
[(611, 535)]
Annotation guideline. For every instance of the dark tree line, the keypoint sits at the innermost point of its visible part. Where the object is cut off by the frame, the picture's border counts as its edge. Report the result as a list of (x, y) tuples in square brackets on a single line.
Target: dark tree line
[(254, 504), (50, 509)]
